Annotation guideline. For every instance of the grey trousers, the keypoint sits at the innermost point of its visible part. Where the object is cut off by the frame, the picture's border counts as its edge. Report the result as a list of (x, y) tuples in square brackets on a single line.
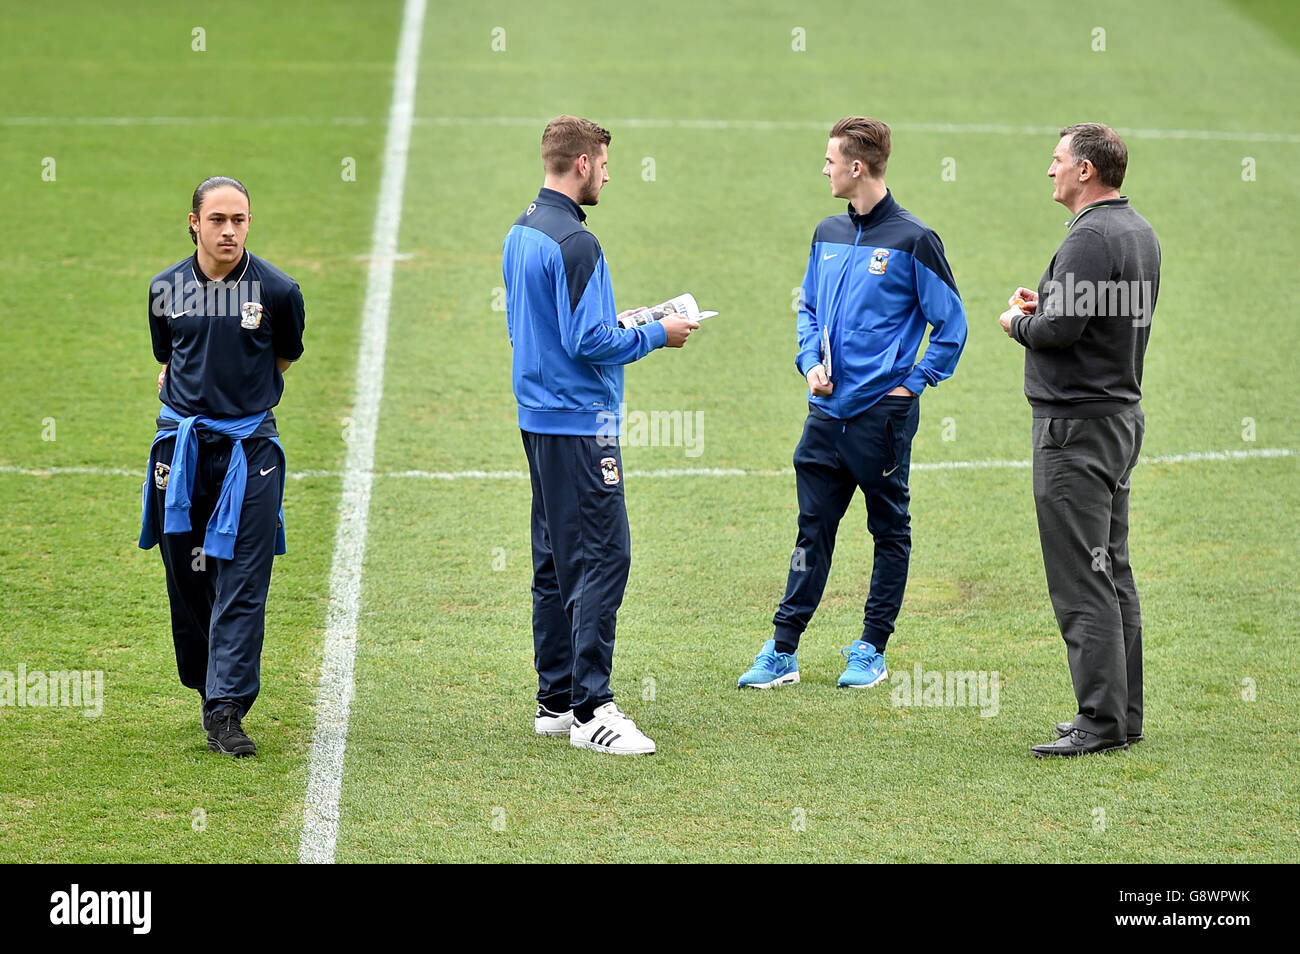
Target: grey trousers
[(1081, 493)]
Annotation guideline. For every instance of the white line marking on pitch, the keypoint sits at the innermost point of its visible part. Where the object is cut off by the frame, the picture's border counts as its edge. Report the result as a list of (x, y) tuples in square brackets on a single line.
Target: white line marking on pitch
[(333, 704), (992, 464), (755, 125), (1263, 452), (138, 474), (760, 125)]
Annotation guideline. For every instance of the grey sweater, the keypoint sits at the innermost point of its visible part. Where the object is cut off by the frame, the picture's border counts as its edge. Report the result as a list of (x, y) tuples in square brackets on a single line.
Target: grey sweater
[(1085, 344)]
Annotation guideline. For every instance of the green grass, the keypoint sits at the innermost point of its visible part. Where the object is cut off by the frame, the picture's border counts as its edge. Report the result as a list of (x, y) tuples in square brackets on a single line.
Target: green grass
[(440, 747), (75, 592)]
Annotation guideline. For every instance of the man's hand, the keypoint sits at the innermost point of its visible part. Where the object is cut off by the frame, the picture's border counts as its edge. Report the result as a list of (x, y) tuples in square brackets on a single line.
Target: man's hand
[(1026, 299), (1023, 302), (162, 376), (1005, 318), (818, 383), (678, 328)]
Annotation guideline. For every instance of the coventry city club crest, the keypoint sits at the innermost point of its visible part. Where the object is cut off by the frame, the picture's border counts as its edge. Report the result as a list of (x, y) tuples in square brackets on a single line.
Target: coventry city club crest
[(609, 470), (879, 259), (250, 315)]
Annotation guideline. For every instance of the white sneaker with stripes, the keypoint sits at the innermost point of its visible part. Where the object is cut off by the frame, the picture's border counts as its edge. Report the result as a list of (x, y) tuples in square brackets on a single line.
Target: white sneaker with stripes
[(546, 722), (610, 731)]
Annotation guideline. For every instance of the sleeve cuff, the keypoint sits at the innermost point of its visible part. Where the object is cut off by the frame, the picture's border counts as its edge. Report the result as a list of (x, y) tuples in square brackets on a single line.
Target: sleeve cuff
[(915, 382), (806, 361), (657, 333), (1017, 329)]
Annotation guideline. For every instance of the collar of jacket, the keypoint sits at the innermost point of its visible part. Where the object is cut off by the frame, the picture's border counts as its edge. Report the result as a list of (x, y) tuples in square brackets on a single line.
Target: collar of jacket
[(560, 200), (1121, 201), (878, 213)]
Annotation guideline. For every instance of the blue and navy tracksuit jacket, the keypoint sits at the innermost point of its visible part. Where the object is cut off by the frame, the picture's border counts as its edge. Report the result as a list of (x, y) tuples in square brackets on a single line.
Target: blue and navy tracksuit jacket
[(874, 282), (569, 351)]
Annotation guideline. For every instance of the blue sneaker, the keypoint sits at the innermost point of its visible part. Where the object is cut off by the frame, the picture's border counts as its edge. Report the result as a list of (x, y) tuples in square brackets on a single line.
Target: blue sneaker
[(866, 667), (771, 669)]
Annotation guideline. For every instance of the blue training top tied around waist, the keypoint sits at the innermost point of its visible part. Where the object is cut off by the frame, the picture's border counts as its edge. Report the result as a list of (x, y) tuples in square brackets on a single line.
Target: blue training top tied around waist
[(223, 527)]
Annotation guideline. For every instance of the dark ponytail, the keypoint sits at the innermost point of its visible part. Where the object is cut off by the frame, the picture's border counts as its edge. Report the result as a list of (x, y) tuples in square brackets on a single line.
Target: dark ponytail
[(206, 186)]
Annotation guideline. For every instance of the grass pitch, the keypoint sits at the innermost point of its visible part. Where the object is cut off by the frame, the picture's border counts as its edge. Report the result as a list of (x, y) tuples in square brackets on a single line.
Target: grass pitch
[(441, 761)]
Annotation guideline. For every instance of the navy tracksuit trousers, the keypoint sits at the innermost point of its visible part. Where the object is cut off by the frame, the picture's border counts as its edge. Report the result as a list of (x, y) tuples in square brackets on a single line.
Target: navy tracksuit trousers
[(582, 553), (835, 458), (218, 607)]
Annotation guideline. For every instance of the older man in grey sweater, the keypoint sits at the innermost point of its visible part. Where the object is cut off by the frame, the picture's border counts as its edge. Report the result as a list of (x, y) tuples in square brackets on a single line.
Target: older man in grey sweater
[(1085, 333)]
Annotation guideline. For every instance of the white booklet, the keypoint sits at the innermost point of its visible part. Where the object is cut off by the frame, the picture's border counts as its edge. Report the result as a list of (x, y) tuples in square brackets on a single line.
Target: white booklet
[(683, 305)]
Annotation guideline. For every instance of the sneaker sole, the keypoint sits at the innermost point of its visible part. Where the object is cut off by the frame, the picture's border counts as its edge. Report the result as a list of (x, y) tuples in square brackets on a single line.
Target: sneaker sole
[(215, 746), (581, 744), (865, 685), (564, 731), (789, 679)]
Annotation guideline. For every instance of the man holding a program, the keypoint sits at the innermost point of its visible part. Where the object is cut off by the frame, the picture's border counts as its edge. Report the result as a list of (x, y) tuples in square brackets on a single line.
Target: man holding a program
[(568, 357)]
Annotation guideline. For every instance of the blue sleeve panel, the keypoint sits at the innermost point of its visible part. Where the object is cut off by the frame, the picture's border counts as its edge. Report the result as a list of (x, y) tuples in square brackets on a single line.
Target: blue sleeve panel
[(591, 332), (810, 334), (941, 307), (568, 350), (874, 285)]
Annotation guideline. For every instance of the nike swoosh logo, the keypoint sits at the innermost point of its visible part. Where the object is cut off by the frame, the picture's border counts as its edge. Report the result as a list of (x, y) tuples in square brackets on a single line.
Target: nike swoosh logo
[(268, 470), (180, 314), (890, 471), (827, 258)]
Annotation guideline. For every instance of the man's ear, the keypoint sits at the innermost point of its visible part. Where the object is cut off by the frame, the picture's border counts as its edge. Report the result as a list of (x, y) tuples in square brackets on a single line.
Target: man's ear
[(582, 164)]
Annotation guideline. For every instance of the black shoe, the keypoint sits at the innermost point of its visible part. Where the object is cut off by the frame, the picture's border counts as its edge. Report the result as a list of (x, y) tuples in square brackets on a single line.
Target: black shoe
[(1065, 728), (1078, 742), (226, 734), (203, 716)]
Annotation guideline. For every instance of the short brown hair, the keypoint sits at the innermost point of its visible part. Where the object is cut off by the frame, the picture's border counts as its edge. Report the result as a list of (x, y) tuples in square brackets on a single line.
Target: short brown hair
[(866, 140), (568, 137), (1101, 146)]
